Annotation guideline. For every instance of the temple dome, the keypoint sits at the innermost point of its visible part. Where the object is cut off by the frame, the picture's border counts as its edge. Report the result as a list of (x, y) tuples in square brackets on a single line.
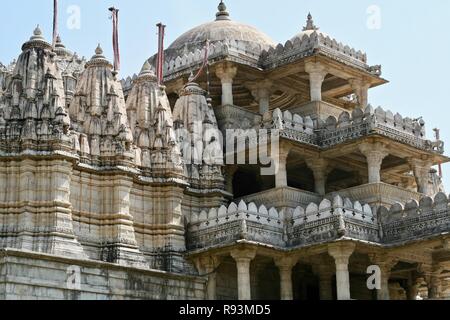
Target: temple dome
[(309, 30), (222, 29)]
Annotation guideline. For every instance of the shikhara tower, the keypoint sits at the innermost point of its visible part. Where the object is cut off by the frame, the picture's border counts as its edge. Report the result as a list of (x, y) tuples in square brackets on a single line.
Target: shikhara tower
[(126, 180)]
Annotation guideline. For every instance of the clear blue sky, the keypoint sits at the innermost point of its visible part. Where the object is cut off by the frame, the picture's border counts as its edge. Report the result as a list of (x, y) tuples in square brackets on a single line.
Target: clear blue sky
[(412, 43)]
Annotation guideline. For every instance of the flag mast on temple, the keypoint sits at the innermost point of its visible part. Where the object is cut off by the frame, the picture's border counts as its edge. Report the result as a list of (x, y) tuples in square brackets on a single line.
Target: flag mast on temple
[(55, 22), (115, 20), (160, 58)]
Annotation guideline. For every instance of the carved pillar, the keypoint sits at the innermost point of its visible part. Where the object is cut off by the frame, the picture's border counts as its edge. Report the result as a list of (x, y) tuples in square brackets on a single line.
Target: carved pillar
[(285, 266), (230, 172), (421, 171), (385, 263), (375, 154), (325, 273), (281, 180), (226, 73), (261, 91), (413, 288), (434, 283), (320, 171), (208, 266), (317, 74), (243, 260), (361, 89), (341, 253)]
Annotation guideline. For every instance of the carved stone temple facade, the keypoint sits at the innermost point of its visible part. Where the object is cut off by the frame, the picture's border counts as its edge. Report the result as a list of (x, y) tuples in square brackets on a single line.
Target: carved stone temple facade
[(115, 189)]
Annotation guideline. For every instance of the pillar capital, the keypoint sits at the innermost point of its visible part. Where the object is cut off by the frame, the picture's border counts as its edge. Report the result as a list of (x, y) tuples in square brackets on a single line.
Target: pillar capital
[(317, 73), (321, 169), (375, 154), (226, 72), (421, 169), (207, 264), (261, 91), (286, 262), (316, 68), (361, 88), (280, 160), (385, 261), (377, 150), (243, 254), (341, 251)]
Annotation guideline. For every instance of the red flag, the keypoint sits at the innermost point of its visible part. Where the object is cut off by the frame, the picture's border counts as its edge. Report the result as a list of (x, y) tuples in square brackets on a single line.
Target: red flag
[(160, 58), (115, 19)]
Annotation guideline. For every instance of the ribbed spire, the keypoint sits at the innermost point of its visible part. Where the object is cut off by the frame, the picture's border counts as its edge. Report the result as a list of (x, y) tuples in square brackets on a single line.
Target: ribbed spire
[(223, 13), (310, 23)]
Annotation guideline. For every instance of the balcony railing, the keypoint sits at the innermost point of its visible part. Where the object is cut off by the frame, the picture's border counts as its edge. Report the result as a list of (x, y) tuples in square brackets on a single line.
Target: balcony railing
[(316, 224)]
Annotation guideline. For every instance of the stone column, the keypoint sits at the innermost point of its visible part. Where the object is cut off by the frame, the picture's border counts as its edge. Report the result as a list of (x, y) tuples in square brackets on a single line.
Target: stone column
[(226, 73), (421, 169), (261, 91), (285, 266), (320, 171), (386, 264), (375, 154), (317, 74), (341, 253), (230, 172), (325, 273), (208, 266), (243, 260), (361, 89), (434, 283), (413, 288), (281, 169)]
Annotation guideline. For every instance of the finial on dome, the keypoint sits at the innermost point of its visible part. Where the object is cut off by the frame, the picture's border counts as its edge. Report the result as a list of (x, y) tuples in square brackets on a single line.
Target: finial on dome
[(37, 34), (223, 13), (310, 24), (99, 50), (37, 31)]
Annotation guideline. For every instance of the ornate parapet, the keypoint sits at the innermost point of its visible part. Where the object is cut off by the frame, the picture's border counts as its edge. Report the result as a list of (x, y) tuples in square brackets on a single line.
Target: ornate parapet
[(415, 220), (320, 223), (283, 198), (332, 220), (244, 52), (234, 117), (228, 225), (309, 44), (378, 194), (348, 127)]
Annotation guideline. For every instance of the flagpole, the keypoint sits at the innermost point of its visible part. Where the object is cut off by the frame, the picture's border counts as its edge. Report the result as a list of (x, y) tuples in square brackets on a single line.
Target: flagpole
[(55, 22)]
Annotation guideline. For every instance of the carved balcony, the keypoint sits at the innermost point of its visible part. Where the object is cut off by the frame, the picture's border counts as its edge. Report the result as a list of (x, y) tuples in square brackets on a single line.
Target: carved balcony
[(283, 198), (378, 194)]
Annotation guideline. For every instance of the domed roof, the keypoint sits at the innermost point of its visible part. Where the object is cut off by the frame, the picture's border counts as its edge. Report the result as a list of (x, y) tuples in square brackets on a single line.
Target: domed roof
[(222, 29), (309, 29)]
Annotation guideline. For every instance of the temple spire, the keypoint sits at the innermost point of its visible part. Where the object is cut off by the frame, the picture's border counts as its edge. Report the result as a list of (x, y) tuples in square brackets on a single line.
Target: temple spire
[(310, 24), (223, 13)]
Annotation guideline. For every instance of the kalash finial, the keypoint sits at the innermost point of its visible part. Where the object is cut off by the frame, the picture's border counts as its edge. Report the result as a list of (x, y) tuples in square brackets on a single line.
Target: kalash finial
[(99, 50), (37, 31), (310, 24), (223, 13)]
